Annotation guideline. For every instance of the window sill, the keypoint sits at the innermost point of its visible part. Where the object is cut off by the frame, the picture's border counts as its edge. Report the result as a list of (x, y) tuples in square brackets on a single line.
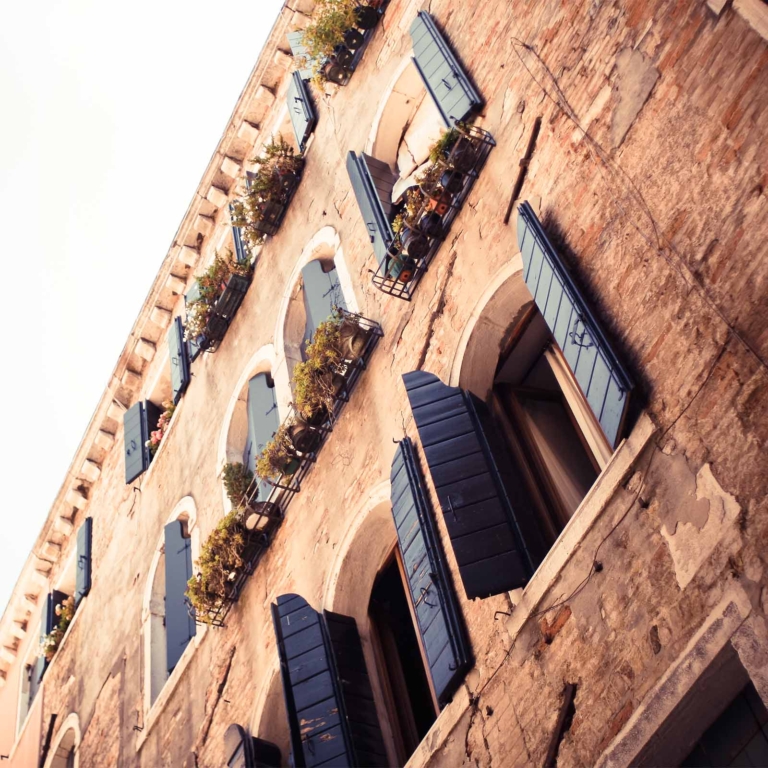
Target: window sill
[(152, 716), (583, 520)]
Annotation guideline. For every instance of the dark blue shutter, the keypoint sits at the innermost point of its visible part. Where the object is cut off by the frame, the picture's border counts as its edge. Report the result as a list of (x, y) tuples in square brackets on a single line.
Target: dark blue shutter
[(328, 698), (263, 422), (48, 620), (179, 357), (444, 77), (322, 293), (483, 507), (432, 595), (244, 751), (374, 205), (241, 253), (135, 436), (603, 380), (179, 617), (299, 51), (84, 541), (301, 110)]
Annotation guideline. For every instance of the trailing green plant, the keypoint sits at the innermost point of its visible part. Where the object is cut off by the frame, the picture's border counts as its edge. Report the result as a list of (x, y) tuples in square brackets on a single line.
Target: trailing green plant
[(313, 386), (218, 566), (330, 20), (264, 185), (440, 149), (429, 179), (211, 284), (275, 455), (237, 480), (51, 642)]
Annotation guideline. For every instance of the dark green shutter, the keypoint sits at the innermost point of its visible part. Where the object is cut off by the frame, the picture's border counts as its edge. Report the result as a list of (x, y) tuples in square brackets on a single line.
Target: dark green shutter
[(432, 594), (603, 380), (299, 51), (138, 421), (331, 712), (444, 77), (179, 617), (84, 545), (179, 357), (483, 507), (301, 110), (370, 179)]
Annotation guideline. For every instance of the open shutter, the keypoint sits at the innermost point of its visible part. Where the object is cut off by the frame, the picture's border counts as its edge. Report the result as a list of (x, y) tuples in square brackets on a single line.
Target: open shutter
[(48, 620), (432, 595), (244, 751), (301, 110), (135, 435), (241, 252), (322, 293), (444, 77), (83, 578), (331, 713), (299, 51), (179, 357), (603, 380), (370, 180), (263, 422), (483, 509), (179, 621)]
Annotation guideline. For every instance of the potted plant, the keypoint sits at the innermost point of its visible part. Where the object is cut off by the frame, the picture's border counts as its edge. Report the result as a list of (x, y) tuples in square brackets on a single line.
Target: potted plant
[(218, 566), (51, 642), (237, 482), (278, 456), (156, 437), (203, 301)]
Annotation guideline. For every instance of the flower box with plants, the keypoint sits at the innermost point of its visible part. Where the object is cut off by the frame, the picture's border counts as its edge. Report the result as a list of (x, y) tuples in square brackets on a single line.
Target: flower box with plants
[(333, 42), (157, 435), (65, 612), (269, 189), (232, 550), (214, 299), (427, 210)]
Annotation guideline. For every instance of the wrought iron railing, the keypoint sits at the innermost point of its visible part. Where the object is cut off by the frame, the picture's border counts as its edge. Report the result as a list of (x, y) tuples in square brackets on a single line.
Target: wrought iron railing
[(400, 272)]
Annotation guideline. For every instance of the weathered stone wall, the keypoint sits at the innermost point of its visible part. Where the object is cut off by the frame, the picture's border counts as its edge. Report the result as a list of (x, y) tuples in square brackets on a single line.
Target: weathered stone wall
[(661, 211)]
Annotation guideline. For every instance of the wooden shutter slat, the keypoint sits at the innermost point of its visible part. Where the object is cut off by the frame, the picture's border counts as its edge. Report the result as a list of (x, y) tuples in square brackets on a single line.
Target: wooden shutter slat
[(134, 437), (482, 524), (431, 592), (83, 577), (301, 109), (605, 383), (179, 621), (369, 202), (331, 714), (444, 77), (179, 359), (299, 50)]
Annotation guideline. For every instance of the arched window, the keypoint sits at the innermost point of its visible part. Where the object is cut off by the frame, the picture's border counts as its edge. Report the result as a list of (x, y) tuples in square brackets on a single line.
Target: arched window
[(322, 294), (168, 622), (63, 752), (263, 421)]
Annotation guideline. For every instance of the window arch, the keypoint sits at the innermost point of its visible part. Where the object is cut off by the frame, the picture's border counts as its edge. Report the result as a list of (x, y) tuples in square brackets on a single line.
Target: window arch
[(167, 626), (319, 281), (63, 752)]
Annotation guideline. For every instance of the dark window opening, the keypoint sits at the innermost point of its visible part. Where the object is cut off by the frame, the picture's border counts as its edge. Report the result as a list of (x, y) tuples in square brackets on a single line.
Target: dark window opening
[(739, 737), (540, 427), (410, 702)]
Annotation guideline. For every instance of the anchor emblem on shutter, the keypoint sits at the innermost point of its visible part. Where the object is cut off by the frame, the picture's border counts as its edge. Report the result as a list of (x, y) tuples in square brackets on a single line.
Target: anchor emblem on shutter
[(577, 338)]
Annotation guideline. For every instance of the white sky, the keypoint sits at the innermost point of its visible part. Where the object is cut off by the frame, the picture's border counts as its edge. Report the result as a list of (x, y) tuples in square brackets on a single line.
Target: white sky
[(109, 115)]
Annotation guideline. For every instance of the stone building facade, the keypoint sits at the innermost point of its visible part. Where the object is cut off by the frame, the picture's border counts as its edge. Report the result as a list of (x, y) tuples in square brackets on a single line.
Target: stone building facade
[(628, 613)]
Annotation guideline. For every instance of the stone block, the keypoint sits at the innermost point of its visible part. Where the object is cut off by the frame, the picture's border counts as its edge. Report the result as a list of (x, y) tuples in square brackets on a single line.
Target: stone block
[(176, 284), (282, 60), (264, 95), (188, 256), (28, 603), (40, 578), (104, 439), (7, 654), (248, 132), (90, 470), (204, 224), (756, 14), (145, 349), (160, 316), (231, 167), (76, 498), (130, 379), (63, 525), (218, 197)]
